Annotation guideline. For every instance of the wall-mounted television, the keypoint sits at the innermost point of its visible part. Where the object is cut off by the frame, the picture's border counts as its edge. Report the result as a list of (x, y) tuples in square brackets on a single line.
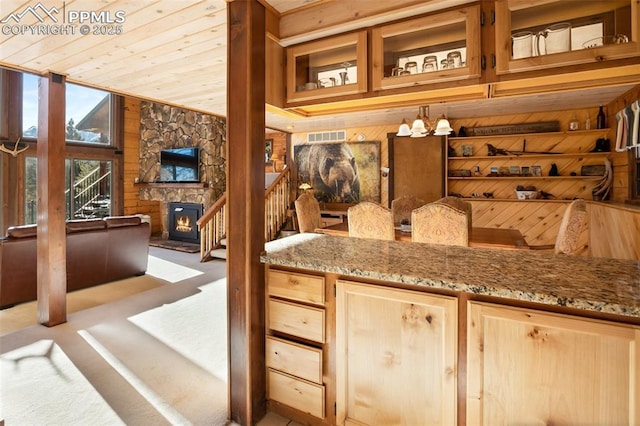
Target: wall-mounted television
[(180, 165)]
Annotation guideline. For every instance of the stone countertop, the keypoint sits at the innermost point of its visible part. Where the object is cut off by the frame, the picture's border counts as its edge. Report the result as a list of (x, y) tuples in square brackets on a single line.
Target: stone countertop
[(593, 284)]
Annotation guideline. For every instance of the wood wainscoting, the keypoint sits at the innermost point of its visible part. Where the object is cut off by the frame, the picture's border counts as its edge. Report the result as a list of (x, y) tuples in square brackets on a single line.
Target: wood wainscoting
[(613, 231)]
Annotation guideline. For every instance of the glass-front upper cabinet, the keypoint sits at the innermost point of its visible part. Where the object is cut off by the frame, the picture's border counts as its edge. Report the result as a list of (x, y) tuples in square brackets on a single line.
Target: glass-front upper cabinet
[(330, 67), (539, 34), (432, 49)]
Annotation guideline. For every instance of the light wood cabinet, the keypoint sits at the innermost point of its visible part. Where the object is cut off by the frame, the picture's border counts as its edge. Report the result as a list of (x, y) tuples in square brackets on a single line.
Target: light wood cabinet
[(436, 48), (542, 34), (395, 356), (296, 332), (531, 367), (570, 151), (335, 66)]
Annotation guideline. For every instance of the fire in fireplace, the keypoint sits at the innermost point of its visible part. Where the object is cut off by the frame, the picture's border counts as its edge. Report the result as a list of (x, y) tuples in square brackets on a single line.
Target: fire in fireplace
[(182, 222)]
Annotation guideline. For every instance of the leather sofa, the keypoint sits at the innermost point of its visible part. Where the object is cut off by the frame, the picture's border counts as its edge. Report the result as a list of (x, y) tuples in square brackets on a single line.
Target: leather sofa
[(98, 251)]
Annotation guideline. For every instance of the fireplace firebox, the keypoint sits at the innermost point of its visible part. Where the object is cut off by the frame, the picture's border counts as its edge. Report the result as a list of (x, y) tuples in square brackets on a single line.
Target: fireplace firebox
[(182, 222)]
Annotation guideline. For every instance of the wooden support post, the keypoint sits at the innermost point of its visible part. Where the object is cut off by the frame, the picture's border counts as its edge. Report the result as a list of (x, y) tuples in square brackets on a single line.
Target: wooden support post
[(245, 200), (52, 243)]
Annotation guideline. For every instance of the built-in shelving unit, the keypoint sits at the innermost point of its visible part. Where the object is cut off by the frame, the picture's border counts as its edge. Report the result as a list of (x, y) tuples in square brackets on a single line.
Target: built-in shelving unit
[(570, 151)]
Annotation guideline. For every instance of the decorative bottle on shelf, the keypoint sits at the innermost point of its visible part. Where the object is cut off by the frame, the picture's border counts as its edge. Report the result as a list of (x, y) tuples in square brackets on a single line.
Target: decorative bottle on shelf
[(573, 124), (587, 122), (600, 123)]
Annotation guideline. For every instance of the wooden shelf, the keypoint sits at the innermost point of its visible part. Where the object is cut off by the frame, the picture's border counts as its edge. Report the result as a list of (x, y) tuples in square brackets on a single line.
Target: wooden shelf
[(523, 177), (573, 132), (523, 156)]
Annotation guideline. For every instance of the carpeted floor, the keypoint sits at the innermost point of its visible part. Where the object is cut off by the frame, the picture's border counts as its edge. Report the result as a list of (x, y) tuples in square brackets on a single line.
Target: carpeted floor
[(147, 350)]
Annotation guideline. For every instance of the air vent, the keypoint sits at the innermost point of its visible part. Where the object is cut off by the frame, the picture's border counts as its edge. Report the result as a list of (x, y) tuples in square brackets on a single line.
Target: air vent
[(334, 136)]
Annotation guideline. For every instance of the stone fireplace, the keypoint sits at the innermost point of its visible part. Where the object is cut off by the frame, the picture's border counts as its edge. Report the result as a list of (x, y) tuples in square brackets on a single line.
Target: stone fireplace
[(182, 222), (163, 126)]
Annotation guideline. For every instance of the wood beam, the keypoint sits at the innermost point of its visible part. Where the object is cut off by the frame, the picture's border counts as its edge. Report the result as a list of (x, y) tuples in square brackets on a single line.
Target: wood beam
[(51, 236), (245, 201)]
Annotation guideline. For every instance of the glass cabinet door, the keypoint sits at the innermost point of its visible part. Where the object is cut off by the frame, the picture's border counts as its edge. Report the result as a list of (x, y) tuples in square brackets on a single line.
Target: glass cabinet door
[(334, 66), (539, 34), (432, 49)]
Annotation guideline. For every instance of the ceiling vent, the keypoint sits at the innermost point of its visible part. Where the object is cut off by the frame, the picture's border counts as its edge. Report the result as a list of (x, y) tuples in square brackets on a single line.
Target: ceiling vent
[(334, 136)]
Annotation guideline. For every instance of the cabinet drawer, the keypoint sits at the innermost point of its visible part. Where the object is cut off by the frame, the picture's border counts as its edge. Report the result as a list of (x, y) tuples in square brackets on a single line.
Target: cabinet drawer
[(302, 321), (296, 393), (295, 359), (290, 285)]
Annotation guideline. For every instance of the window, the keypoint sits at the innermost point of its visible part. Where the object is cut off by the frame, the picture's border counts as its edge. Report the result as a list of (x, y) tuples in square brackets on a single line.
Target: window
[(88, 112), (91, 172), (88, 189)]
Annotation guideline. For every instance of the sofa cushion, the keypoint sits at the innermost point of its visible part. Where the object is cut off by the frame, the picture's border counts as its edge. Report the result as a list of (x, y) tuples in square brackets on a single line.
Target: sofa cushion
[(85, 225), (118, 221), (22, 231)]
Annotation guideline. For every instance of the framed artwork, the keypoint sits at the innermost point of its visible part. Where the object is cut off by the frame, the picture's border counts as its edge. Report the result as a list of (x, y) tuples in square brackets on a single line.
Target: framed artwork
[(340, 172), (268, 150), (536, 171)]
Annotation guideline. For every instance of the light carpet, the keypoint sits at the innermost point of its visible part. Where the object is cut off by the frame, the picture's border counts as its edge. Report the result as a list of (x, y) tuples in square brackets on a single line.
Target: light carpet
[(156, 356)]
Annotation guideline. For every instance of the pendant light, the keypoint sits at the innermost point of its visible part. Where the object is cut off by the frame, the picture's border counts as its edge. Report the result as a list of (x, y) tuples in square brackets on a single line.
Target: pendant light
[(419, 129), (404, 129), (442, 126)]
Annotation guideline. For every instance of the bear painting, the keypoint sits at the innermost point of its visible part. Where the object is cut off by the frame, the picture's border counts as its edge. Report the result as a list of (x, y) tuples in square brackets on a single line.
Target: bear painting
[(335, 170)]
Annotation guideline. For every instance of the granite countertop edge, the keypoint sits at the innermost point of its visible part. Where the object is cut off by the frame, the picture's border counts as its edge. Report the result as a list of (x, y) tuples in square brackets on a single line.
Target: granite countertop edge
[(285, 254)]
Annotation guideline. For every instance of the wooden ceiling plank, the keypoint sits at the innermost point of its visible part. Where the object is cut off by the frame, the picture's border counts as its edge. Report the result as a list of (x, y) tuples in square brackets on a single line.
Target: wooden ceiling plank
[(144, 74), (209, 53), (18, 43), (28, 48), (139, 31)]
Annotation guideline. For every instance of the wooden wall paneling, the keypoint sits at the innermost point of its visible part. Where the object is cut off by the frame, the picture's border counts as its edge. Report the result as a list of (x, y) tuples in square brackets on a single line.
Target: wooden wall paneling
[(12, 168), (371, 133), (132, 204), (614, 232), (51, 238), (622, 171), (245, 201)]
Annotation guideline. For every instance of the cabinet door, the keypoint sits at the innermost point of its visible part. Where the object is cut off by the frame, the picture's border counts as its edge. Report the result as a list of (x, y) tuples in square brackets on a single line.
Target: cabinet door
[(334, 66), (417, 167), (530, 367), (395, 356), (541, 34), (431, 49)]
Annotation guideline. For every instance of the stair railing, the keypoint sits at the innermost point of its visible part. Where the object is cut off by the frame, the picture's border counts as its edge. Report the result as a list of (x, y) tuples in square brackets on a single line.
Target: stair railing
[(277, 200), (213, 223), (213, 227)]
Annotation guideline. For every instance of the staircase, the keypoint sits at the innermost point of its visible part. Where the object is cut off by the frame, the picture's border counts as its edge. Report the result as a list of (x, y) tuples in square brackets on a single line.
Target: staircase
[(88, 199), (213, 223)]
